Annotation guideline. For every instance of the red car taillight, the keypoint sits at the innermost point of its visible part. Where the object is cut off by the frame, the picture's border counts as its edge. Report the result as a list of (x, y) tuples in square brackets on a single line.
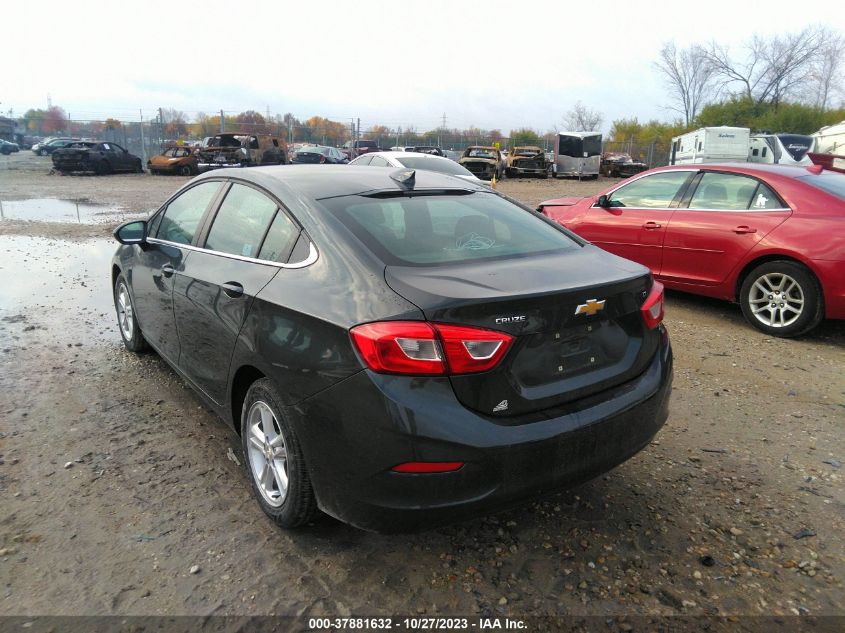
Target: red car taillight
[(427, 467), (434, 349), (322, 159), (652, 307)]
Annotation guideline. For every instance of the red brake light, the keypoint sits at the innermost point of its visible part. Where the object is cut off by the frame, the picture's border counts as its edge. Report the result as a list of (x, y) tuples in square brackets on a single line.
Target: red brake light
[(427, 467), (322, 159), (420, 348), (652, 308)]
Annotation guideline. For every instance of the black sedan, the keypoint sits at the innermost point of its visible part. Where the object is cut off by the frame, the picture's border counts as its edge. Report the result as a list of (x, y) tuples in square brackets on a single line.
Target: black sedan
[(397, 349), (99, 157), (320, 154)]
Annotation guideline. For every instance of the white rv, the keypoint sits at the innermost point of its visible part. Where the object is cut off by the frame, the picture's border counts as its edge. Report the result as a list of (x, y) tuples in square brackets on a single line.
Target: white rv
[(711, 145), (783, 149), (830, 139), (577, 154)]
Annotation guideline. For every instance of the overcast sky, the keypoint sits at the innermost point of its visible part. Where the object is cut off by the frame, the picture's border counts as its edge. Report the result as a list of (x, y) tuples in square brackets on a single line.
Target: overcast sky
[(490, 64)]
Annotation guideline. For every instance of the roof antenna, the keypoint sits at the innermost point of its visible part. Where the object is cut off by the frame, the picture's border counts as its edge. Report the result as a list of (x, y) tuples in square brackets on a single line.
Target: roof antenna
[(405, 177)]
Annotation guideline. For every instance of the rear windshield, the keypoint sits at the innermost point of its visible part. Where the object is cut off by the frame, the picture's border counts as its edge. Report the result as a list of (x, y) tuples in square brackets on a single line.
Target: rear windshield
[(430, 230), (832, 183), (443, 165)]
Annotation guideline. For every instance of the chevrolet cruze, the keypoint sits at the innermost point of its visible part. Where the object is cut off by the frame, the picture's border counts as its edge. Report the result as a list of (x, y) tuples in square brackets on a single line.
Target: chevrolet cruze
[(395, 348)]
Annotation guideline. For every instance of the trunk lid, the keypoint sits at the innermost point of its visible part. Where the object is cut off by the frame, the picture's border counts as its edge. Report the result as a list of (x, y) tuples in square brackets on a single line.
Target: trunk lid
[(560, 354)]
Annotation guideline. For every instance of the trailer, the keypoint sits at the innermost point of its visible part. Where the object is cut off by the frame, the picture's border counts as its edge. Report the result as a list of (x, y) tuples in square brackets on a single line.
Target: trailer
[(711, 145), (830, 139), (577, 155), (780, 149)]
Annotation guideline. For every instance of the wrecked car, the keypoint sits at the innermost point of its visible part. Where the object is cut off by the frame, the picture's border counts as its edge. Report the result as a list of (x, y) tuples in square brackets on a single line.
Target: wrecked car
[(483, 162), (620, 165), (99, 157), (241, 150), (527, 161), (174, 160)]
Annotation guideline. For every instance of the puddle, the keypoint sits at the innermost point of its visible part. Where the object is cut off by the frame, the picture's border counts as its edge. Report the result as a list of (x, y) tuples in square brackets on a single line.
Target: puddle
[(67, 211), (59, 286)]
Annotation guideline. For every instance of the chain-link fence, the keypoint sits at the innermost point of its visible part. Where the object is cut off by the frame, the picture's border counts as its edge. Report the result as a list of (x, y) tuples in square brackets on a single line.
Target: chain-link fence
[(654, 154)]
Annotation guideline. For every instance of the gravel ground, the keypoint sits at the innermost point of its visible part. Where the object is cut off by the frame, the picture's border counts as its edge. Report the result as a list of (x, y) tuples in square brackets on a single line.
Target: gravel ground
[(118, 496)]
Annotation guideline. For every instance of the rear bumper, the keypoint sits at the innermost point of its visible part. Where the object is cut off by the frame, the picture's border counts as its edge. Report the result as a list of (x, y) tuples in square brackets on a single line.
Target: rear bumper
[(73, 165), (354, 433)]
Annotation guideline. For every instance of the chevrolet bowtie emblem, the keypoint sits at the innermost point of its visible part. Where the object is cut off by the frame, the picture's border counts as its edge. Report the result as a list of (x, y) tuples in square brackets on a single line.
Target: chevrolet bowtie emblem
[(590, 308)]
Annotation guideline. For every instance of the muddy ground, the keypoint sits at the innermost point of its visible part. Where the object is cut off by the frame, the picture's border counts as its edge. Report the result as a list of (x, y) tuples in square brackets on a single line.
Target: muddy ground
[(115, 480)]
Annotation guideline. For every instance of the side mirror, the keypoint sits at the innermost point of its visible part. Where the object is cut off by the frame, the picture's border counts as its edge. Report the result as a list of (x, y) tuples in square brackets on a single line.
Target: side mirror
[(603, 201), (134, 232)]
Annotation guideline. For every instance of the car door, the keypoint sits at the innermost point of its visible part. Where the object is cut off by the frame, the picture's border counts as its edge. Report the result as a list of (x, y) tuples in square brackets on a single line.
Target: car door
[(633, 225), (170, 234), (241, 250), (722, 217), (121, 157)]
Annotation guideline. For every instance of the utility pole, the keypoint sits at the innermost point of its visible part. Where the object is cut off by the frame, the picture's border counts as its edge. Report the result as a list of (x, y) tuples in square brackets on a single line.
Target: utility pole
[(143, 145), (358, 134), (222, 123)]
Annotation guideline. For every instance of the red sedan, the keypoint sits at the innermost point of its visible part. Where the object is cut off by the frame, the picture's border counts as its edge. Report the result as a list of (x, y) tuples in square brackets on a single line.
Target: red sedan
[(770, 237)]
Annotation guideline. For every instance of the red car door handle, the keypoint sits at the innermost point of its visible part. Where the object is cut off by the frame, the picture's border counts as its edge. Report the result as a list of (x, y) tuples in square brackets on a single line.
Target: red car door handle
[(744, 229), (650, 226)]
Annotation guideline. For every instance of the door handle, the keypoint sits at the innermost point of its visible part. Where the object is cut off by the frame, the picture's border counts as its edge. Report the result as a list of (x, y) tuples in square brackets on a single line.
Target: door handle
[(233, 289), (744, 229), (167, 270), (650, 226)]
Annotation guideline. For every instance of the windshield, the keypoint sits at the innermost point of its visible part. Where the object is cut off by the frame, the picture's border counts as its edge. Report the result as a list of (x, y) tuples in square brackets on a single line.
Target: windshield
[(431, 230), (443, 166), (481, 153), (832, 183)]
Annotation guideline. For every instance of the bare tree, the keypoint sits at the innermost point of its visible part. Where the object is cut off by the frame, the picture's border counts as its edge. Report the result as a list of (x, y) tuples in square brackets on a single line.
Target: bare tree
[(689, 76), (828, 69), (582, 119), (773, 68)]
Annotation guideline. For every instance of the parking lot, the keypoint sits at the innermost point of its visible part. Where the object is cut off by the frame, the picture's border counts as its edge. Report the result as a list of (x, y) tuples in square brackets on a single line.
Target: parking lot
[(123, 494)]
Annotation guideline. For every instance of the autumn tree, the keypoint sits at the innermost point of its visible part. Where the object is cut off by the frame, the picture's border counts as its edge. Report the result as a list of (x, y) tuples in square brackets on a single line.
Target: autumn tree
[(689, 75), (582, 119), (524, 136), (174, 122)]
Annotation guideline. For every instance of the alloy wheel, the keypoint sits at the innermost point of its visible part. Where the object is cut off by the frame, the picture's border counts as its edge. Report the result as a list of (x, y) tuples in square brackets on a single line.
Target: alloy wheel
[(125, 313), (776, 300), (267, 454)]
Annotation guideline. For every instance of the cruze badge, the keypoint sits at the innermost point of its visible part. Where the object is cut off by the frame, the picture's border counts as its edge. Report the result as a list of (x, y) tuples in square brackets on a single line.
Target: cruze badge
[(511, 319), (590, 308)]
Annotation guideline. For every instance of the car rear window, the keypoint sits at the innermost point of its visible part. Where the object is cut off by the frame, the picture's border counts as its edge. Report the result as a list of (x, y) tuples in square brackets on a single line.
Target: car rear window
[(430, 230), (832, 183), (443, 166)]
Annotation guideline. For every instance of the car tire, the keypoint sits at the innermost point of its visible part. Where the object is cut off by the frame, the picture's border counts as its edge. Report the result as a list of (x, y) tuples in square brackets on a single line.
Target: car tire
[(272, 454), (186, 170), (139, 167), (127, 323), (43, 152), (781, 298)]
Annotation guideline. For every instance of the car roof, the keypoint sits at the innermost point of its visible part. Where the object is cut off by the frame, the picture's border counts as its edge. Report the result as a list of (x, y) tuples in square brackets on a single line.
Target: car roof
[(405, 155), (758, 169), (328, 181)]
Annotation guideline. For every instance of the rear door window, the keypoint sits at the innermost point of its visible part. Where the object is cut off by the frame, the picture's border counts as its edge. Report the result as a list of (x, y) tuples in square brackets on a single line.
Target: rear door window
[(728, 192), (182, 217), (445, 229), (241, 222), (279, 241)]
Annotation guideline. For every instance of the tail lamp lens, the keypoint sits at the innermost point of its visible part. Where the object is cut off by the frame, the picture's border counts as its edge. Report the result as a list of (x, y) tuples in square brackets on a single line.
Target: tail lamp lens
[(427, 467), (417, 347), (652, 308)]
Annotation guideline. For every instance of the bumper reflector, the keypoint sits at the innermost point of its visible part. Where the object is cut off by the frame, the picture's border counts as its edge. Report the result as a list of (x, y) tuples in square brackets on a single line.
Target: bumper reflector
[(427, 467)]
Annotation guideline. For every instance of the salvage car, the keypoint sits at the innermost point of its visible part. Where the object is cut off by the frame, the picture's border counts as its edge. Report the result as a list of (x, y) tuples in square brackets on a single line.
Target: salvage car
[(397, 348), (484, 162), (620, 165), (320, 154), (353, 149), (174, 160), (99, 157), (527, 161), (771, 238), (48, 147), (241, 150), (416, 160)]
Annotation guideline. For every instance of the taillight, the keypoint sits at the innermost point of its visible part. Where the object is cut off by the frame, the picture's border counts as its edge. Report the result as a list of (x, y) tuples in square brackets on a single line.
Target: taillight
[(427, 467), (322, 159), (652, 308), (434, 349)]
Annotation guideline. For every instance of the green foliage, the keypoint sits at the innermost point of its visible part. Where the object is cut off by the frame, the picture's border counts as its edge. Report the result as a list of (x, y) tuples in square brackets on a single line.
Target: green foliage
[(524, 136), (796, 118), (631, 130)]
